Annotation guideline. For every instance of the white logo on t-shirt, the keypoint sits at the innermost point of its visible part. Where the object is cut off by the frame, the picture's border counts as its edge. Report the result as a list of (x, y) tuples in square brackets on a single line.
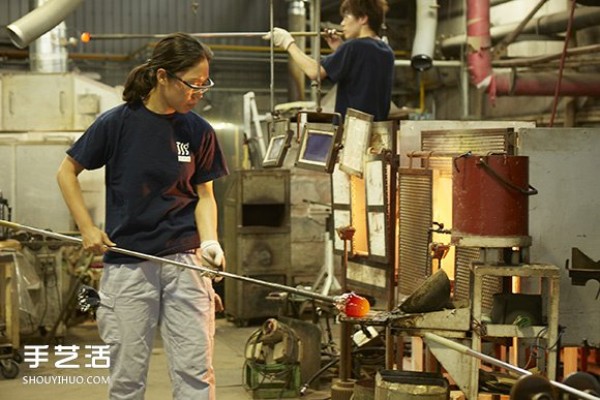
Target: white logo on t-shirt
[(183, 152)]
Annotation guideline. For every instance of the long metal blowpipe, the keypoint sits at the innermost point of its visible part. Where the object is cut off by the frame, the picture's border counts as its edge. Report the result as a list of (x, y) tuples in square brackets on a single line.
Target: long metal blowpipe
[(210, 271), (432, 337), (88, 36)]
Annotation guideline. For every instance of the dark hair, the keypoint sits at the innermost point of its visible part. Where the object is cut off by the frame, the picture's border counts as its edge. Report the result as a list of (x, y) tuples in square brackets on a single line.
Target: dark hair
[(176, 52), (374, 9)]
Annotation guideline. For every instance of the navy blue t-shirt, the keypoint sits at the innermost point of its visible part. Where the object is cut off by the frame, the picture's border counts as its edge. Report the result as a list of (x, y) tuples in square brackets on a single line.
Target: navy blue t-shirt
[(153, 163), (363, 69)]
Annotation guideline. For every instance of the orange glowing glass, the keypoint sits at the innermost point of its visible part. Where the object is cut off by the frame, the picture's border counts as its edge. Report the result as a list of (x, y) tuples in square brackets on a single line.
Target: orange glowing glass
[(356, 306)]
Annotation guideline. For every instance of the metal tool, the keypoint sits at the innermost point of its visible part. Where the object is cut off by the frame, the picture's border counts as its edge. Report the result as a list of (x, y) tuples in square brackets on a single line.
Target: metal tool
[(431, 338), (87, 36), (206, 270)]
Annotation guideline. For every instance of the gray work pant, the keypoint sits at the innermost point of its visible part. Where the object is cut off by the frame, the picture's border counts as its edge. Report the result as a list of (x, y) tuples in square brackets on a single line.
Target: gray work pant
[(135, 298)]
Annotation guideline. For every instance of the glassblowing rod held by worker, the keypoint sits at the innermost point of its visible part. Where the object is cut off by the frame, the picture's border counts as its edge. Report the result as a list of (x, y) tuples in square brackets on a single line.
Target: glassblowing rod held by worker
[(160, 160), (362, 66)]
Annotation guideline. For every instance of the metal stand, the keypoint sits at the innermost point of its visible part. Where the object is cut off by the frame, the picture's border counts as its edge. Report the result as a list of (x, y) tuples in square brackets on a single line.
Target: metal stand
[(326, 280), (465, 371), (438, 343), (551, 275)]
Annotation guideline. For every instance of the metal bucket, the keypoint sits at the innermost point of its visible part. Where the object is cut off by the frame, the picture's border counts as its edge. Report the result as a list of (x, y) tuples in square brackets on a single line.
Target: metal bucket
[(490, 199)]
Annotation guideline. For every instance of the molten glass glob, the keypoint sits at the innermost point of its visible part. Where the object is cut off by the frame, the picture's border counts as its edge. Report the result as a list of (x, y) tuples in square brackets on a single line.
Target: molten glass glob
[(353, 305), (86, 37)]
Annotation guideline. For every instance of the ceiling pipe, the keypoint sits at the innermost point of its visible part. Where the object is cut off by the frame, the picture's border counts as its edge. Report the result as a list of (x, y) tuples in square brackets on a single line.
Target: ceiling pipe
[(545, 59), (39, 21), (513, 83), (550, 24), (424, 42), (543, 84)]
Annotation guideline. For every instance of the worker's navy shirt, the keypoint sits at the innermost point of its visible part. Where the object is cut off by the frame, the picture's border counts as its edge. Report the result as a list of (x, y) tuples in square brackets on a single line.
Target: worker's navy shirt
[(363, 69), (153, 163)]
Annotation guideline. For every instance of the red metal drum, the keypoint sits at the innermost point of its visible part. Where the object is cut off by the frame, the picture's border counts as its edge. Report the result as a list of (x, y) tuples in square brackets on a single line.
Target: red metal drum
[(490, 198)]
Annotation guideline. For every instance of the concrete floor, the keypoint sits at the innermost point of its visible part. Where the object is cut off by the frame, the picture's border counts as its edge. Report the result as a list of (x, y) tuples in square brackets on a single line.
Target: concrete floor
[(229, 361)]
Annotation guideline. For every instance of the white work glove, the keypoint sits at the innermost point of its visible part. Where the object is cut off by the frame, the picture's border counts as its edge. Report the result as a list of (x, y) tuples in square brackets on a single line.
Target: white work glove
[(213, 257), (281, 38), (212, 254)]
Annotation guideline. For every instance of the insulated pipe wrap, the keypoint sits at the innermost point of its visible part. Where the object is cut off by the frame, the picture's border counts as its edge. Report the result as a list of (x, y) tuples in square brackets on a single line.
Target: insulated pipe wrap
[(478, 37)]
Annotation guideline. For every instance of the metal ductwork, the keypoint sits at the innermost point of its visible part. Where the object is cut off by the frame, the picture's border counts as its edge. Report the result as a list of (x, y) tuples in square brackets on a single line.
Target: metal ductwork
[(48, 53), (39, 21), (424, 42)]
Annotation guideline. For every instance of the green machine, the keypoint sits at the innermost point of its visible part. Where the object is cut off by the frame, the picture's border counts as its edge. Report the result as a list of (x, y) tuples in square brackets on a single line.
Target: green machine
[(272, 365)]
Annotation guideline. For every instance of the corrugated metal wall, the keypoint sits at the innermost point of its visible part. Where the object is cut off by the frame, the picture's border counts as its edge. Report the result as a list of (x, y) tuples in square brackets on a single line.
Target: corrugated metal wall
[(164, 16), (157, 16), (11, 10)]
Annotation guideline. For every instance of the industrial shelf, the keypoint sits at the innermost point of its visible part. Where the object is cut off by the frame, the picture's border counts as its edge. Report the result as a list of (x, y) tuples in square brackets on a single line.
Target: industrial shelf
[(550, 277)]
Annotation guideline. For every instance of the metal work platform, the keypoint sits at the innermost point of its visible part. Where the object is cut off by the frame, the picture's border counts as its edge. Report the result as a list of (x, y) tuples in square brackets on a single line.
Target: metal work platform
[(466, 324)]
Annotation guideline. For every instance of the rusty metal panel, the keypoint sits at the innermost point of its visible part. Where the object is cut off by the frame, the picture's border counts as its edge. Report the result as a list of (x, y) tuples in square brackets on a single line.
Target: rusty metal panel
[(410, 132), (415, 214), (481, 141), (257, 240), (462, 284), (462, 272)]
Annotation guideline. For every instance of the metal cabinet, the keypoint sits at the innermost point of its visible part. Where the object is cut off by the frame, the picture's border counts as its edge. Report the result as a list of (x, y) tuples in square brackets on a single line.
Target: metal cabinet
[(257, 241)]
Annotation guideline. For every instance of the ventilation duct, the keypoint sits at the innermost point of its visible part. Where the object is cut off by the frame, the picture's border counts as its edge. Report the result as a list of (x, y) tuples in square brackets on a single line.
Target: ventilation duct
[(39, 21), (48, 53), (424, 42)]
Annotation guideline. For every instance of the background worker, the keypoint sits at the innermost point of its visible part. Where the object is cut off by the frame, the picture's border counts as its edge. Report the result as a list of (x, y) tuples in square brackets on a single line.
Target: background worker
[(160, 159), (362, 66)]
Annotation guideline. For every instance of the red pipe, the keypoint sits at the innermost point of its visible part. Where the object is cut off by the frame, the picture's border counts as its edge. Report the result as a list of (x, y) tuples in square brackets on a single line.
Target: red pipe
[(479, 59), (543, 84)]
